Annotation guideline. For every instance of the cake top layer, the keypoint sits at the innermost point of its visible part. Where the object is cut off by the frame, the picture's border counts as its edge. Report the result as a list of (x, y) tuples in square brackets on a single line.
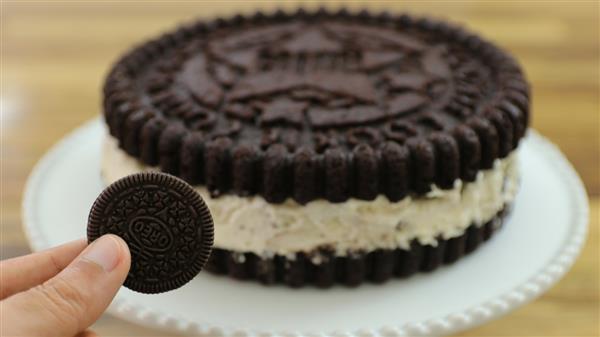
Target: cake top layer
[(311, 105)]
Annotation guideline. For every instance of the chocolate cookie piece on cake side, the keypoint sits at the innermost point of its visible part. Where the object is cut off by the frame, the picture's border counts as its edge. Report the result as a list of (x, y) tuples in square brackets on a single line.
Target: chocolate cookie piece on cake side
[(330, 147)]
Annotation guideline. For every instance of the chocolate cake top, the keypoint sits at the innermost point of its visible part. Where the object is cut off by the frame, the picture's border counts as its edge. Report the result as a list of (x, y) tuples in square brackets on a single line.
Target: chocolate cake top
[(318, 105)]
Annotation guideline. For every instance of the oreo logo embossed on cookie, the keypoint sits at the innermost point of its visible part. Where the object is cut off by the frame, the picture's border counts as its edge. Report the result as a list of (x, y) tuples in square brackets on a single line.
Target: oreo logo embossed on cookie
[(167, 226)]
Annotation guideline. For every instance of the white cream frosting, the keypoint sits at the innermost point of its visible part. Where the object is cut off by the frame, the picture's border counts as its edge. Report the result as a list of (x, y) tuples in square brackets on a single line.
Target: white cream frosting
[(250, 224)]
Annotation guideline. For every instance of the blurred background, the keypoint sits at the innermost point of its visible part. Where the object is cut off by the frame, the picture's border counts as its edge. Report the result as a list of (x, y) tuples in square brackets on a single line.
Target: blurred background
[(55, 55)]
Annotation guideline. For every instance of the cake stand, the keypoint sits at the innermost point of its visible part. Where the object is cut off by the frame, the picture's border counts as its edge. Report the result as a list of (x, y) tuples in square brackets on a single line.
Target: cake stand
[(535, 248)]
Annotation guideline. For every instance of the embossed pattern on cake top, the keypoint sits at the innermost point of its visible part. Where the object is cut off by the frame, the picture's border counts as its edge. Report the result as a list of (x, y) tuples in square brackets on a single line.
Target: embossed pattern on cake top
[(314, 78)]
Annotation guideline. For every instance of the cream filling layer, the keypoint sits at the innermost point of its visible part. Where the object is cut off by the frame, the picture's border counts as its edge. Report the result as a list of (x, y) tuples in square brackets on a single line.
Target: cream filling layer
[(250, 224)]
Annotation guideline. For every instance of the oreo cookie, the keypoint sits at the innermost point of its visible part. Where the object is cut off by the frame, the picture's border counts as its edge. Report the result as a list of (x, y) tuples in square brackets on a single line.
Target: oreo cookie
[(166, 224)]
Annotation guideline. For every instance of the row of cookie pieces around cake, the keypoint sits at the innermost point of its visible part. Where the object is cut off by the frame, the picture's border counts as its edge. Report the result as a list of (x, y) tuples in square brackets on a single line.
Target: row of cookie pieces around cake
[(323, 268), (392, 169)]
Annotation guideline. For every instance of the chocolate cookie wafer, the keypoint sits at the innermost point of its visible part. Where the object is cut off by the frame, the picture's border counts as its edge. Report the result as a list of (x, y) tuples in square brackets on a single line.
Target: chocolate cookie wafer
[(167, 226), (285, 89)]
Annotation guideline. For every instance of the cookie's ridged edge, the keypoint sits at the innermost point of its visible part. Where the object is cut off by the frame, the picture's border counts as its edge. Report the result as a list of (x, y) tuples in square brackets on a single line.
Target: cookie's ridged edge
[(95, 223), (377, 266), (508, 113)]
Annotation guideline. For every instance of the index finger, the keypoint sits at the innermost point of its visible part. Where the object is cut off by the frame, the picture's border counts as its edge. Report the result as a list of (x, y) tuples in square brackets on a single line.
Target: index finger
[(21, 273)]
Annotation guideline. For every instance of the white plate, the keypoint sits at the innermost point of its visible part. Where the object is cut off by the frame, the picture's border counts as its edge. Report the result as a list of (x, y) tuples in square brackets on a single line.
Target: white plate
[(537, 246)]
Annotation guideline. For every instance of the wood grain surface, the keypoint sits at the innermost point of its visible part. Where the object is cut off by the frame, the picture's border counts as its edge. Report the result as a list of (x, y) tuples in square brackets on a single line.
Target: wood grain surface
[(55, 54)]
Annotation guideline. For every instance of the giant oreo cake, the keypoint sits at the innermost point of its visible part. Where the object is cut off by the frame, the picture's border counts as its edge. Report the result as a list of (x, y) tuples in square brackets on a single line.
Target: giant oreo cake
[(329, 147)]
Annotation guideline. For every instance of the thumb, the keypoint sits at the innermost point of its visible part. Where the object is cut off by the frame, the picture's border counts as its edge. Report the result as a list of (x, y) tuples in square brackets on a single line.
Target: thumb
[(73, 299)]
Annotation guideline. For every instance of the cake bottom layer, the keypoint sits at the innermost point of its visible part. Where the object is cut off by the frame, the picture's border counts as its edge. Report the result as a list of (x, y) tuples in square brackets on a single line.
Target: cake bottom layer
[(323, 268)]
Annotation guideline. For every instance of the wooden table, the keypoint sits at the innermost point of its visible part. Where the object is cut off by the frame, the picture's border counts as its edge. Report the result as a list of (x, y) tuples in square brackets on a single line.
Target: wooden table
[(56, 54)]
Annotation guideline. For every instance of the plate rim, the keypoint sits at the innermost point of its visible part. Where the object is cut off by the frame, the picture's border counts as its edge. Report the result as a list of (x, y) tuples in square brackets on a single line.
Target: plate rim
[(473, 316)]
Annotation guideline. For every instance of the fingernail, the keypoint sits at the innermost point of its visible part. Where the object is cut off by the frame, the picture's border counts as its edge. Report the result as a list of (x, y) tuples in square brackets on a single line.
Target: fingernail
[(105, 252)]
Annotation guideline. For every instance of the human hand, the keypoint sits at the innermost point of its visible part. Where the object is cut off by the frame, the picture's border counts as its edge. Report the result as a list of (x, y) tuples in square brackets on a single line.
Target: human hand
[(63, 290)]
